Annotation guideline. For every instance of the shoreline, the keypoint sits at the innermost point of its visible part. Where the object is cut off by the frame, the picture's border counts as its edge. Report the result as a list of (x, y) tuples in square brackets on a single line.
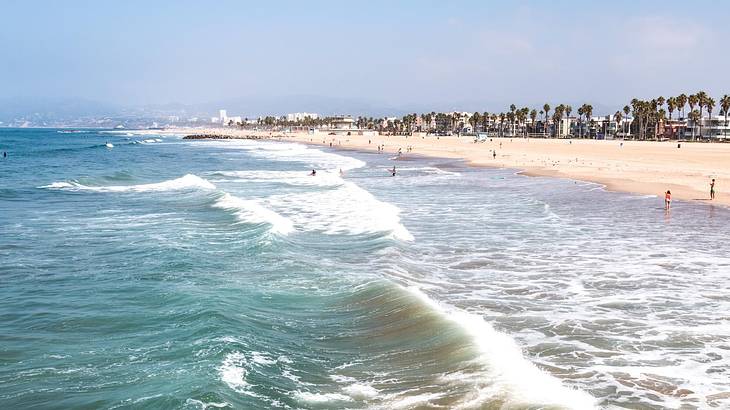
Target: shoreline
[(639, 167)]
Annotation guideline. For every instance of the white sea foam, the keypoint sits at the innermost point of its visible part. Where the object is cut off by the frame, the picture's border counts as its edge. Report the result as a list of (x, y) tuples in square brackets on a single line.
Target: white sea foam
[(361, 391), (299, 178), (345, 210), (233, 372), (186, 182), (207, 405), (251, 211), (507, 375), (320, 398), (262, 359), (290, 152)]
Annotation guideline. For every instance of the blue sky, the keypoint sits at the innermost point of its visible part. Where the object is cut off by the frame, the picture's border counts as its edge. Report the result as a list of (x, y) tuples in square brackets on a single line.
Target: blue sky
[(407, 54)]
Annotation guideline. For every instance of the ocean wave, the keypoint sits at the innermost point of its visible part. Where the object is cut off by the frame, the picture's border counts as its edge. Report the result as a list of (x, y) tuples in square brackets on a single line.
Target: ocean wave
[(299, 178), (446, 357), (290, 152), (233, 372), (518, 380), (250, 211), (345, 210), (321, 398), (185, 182)]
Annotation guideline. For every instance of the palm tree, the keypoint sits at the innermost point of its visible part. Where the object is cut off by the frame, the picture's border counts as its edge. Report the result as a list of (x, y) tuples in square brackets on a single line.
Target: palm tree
[(533, 117), (692, 100), (474, 120), (681, 102), (511, 116), (701, 102), (636, 107), (580, 122), (694, 116), (710, 102), (546, 109), (557, 118), (671, 105), (617, 118), (660, 117), (725, 107), (627, 110), (587, 111)]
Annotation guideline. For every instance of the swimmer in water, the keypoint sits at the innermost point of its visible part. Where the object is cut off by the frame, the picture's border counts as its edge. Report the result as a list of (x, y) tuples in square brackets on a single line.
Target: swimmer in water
[(342, 173), (393, 172), (313, 173), (667, 200)]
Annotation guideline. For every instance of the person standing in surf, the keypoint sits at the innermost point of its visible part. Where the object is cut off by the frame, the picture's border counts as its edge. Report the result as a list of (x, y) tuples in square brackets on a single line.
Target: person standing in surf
[(667, 200), (712, 189), (393, 171)]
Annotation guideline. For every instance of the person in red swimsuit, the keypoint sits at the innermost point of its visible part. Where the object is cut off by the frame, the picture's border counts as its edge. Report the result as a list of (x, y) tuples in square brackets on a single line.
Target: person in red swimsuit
[(667, 200)]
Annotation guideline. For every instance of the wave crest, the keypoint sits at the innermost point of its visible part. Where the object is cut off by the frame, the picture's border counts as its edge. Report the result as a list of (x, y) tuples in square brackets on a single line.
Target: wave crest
[(185, 182)]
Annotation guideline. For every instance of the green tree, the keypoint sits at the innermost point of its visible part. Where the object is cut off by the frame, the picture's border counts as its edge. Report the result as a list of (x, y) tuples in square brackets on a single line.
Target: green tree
[(681, 102), (724, 108), (546, 110)]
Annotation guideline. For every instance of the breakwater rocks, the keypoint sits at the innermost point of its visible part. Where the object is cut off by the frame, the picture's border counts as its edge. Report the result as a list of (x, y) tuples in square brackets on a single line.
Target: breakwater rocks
[(225, 137)]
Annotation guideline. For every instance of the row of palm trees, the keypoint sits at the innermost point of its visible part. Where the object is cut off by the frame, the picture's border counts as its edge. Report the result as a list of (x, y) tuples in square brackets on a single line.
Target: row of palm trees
[(646, 119)]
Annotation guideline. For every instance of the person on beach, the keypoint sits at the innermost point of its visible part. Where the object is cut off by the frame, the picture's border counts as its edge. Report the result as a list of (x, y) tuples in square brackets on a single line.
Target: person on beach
[(313, 173), (494, 154), (712, 189), (667, 200)]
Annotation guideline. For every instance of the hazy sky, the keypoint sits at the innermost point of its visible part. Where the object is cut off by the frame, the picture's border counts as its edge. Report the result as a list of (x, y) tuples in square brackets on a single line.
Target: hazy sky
[(407, 53)]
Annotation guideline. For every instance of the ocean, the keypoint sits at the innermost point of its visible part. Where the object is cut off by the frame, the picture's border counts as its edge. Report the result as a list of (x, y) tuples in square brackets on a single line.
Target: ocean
[(169, 273)]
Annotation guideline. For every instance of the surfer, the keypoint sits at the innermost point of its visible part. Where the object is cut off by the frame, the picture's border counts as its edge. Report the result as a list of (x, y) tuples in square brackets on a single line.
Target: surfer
[(393, 171), (5, 155), (313, 173), (342, 173)]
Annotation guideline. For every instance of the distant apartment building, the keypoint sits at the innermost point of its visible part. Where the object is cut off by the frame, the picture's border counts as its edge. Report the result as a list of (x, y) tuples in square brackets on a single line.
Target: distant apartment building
[(223, 116), (714, 128), (300, 116)]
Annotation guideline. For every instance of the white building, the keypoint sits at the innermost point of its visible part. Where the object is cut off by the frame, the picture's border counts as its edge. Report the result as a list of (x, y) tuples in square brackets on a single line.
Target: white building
[(214, 120), (343, 125), (223, 116), (300, 116)]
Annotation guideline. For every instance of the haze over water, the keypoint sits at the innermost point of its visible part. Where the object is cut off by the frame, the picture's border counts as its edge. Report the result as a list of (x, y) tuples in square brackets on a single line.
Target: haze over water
[(166, 273)]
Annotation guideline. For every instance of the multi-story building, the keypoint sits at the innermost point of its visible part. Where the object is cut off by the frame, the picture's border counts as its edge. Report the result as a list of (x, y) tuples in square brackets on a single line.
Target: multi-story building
[(708, 128), (300, 116)]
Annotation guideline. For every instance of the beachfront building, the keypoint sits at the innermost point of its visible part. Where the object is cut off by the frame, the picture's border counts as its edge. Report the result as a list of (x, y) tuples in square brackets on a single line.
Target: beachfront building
[(708, 128), (342, 125), (565, 127), (301, 116), (223, 116)]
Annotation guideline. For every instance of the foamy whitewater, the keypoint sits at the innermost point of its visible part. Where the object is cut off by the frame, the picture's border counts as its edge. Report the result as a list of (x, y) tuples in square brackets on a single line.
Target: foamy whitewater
[(167, 273)]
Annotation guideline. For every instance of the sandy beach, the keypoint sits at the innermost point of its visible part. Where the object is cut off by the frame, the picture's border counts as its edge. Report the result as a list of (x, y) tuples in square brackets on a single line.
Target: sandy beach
[(648, 168)]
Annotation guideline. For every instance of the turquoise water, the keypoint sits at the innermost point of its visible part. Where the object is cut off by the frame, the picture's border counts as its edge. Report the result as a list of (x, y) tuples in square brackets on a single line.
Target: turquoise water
[(167, 273)]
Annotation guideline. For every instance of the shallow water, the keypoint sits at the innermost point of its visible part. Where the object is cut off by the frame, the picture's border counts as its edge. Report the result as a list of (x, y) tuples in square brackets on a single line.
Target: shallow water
[(165, 273)]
